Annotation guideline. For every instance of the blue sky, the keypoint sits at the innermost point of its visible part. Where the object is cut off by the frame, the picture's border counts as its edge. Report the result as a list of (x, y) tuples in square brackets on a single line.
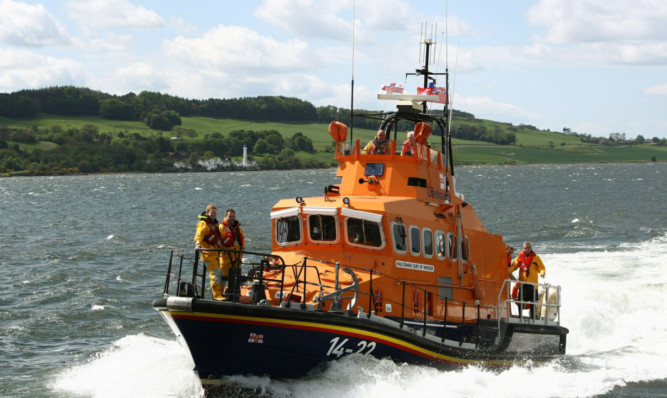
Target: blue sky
[(594, 66)]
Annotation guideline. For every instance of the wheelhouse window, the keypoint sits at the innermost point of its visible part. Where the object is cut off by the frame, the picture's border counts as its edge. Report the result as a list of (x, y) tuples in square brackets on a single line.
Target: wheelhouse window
[(415, 241), (288, 230), (400, 237), (363, 232), (440, 246), (322, 228), (427, 241)]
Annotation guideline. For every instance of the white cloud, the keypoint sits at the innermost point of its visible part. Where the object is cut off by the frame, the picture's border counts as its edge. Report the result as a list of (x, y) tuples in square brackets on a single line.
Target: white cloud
[(30, 26), (21, 69), (139, 74), (307, 18), (487, 108), (182, 26), (240, 54), (602, 31), (111, 14), (657, 91), (601, 20)]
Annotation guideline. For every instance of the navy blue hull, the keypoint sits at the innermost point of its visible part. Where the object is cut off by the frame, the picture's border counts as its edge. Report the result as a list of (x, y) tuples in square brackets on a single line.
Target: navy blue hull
[(230, 339)]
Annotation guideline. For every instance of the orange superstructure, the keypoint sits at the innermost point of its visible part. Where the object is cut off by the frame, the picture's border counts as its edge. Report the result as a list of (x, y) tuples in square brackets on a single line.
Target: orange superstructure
[(410, 210)]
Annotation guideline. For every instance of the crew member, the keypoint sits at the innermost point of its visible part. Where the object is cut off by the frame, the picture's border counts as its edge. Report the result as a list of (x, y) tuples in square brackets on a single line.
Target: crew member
[(232, 238), (208, 237), (409, 145), (529, 265), (510, 252), (376, 146)]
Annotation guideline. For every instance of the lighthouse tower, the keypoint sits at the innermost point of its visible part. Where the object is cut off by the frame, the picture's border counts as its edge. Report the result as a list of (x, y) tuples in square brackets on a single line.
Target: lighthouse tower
[(245, 156)]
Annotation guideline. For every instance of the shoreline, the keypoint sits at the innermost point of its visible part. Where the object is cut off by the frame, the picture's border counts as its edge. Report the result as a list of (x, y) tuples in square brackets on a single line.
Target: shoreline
[(47, 174)]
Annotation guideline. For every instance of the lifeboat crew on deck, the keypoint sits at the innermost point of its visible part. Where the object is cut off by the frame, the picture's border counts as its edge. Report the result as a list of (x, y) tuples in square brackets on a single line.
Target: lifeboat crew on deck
[(409, 145), (529, 265), (232, 237), (377, 146), (208, 237)]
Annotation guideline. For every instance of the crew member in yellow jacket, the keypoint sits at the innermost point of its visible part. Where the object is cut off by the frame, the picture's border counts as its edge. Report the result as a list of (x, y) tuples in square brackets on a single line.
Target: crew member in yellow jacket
[(232, 237), (208, 237), (530, 265)]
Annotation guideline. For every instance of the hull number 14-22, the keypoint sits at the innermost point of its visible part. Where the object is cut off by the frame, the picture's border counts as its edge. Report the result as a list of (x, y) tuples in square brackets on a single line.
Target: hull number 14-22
[(339, 348)]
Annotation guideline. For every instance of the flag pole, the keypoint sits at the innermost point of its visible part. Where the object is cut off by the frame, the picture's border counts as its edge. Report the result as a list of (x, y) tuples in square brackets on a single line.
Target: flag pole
[(354, 3)]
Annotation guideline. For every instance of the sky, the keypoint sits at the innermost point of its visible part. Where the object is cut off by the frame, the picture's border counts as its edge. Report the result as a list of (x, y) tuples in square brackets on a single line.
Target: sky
[(594, 66)]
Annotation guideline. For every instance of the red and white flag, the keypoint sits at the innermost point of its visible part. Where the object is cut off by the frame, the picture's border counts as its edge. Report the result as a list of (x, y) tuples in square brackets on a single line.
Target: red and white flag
[(393, 88)]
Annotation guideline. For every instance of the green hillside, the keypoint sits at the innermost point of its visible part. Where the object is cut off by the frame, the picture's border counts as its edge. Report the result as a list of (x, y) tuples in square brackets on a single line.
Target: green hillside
[(530, 144)]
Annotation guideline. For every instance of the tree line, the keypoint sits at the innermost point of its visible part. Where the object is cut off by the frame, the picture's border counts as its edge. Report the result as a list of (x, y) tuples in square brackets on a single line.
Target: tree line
[(163, 111), (87, 150)]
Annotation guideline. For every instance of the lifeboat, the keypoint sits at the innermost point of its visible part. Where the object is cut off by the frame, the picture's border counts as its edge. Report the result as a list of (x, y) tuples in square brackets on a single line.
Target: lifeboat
[(390, 262)]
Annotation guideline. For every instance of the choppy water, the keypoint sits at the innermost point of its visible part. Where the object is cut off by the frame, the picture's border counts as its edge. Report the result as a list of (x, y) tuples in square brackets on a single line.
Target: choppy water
[(83, 257)]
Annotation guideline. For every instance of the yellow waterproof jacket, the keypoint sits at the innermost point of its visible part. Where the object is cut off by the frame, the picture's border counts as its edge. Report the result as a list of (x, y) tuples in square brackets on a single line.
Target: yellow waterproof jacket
[(203, 231), (536, 267)]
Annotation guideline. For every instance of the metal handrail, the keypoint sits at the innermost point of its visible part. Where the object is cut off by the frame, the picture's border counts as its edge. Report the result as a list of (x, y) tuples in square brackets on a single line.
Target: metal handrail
[(424, 290), (504, 304)]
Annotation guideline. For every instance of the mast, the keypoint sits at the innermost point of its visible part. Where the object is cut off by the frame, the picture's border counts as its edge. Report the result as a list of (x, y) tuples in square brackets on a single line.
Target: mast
[(354, 4)]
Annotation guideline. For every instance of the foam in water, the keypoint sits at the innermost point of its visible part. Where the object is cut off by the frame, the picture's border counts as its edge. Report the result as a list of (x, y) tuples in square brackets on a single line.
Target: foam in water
[(135, 366)]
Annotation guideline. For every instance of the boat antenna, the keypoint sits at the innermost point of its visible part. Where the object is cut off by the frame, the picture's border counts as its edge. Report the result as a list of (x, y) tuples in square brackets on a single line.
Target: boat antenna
[(446, 36), (354, 3), (450, 100)]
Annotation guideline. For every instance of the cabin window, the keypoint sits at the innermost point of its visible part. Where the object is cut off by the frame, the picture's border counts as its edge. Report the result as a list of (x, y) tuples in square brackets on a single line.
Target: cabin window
[(400, 237), (427, 241), (288, 230), (322, 228), (440, 249), (415, 242), (363, 232)]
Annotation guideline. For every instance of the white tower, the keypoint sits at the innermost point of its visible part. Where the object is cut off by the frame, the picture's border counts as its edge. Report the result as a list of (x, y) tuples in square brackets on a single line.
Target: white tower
[(245, 156)]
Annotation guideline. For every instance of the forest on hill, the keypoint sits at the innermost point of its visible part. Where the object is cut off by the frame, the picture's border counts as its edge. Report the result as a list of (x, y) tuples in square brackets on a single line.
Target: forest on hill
[(163, 111), (69, 130)]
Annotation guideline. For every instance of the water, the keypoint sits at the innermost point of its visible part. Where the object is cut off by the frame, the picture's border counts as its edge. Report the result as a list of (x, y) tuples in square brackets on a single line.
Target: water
[(84, 256)]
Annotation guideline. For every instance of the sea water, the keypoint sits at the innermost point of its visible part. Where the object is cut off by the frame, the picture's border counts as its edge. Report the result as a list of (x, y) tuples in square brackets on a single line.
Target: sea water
[(83, 257)]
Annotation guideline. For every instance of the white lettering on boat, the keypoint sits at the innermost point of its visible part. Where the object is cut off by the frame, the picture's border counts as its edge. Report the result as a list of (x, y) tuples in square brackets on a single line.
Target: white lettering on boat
[(340, 348), (415, 266)]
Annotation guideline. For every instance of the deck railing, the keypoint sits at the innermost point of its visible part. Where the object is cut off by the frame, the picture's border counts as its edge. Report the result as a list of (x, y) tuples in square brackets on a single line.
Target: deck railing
[(545, 306), (428, 317)]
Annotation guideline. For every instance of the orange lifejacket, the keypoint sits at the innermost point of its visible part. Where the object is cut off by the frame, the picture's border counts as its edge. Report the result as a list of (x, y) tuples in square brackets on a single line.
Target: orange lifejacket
[(525, 261), (233, 234)]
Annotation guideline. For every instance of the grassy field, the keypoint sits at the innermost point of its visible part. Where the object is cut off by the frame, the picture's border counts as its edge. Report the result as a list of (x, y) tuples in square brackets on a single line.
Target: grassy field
[(532, 146)]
